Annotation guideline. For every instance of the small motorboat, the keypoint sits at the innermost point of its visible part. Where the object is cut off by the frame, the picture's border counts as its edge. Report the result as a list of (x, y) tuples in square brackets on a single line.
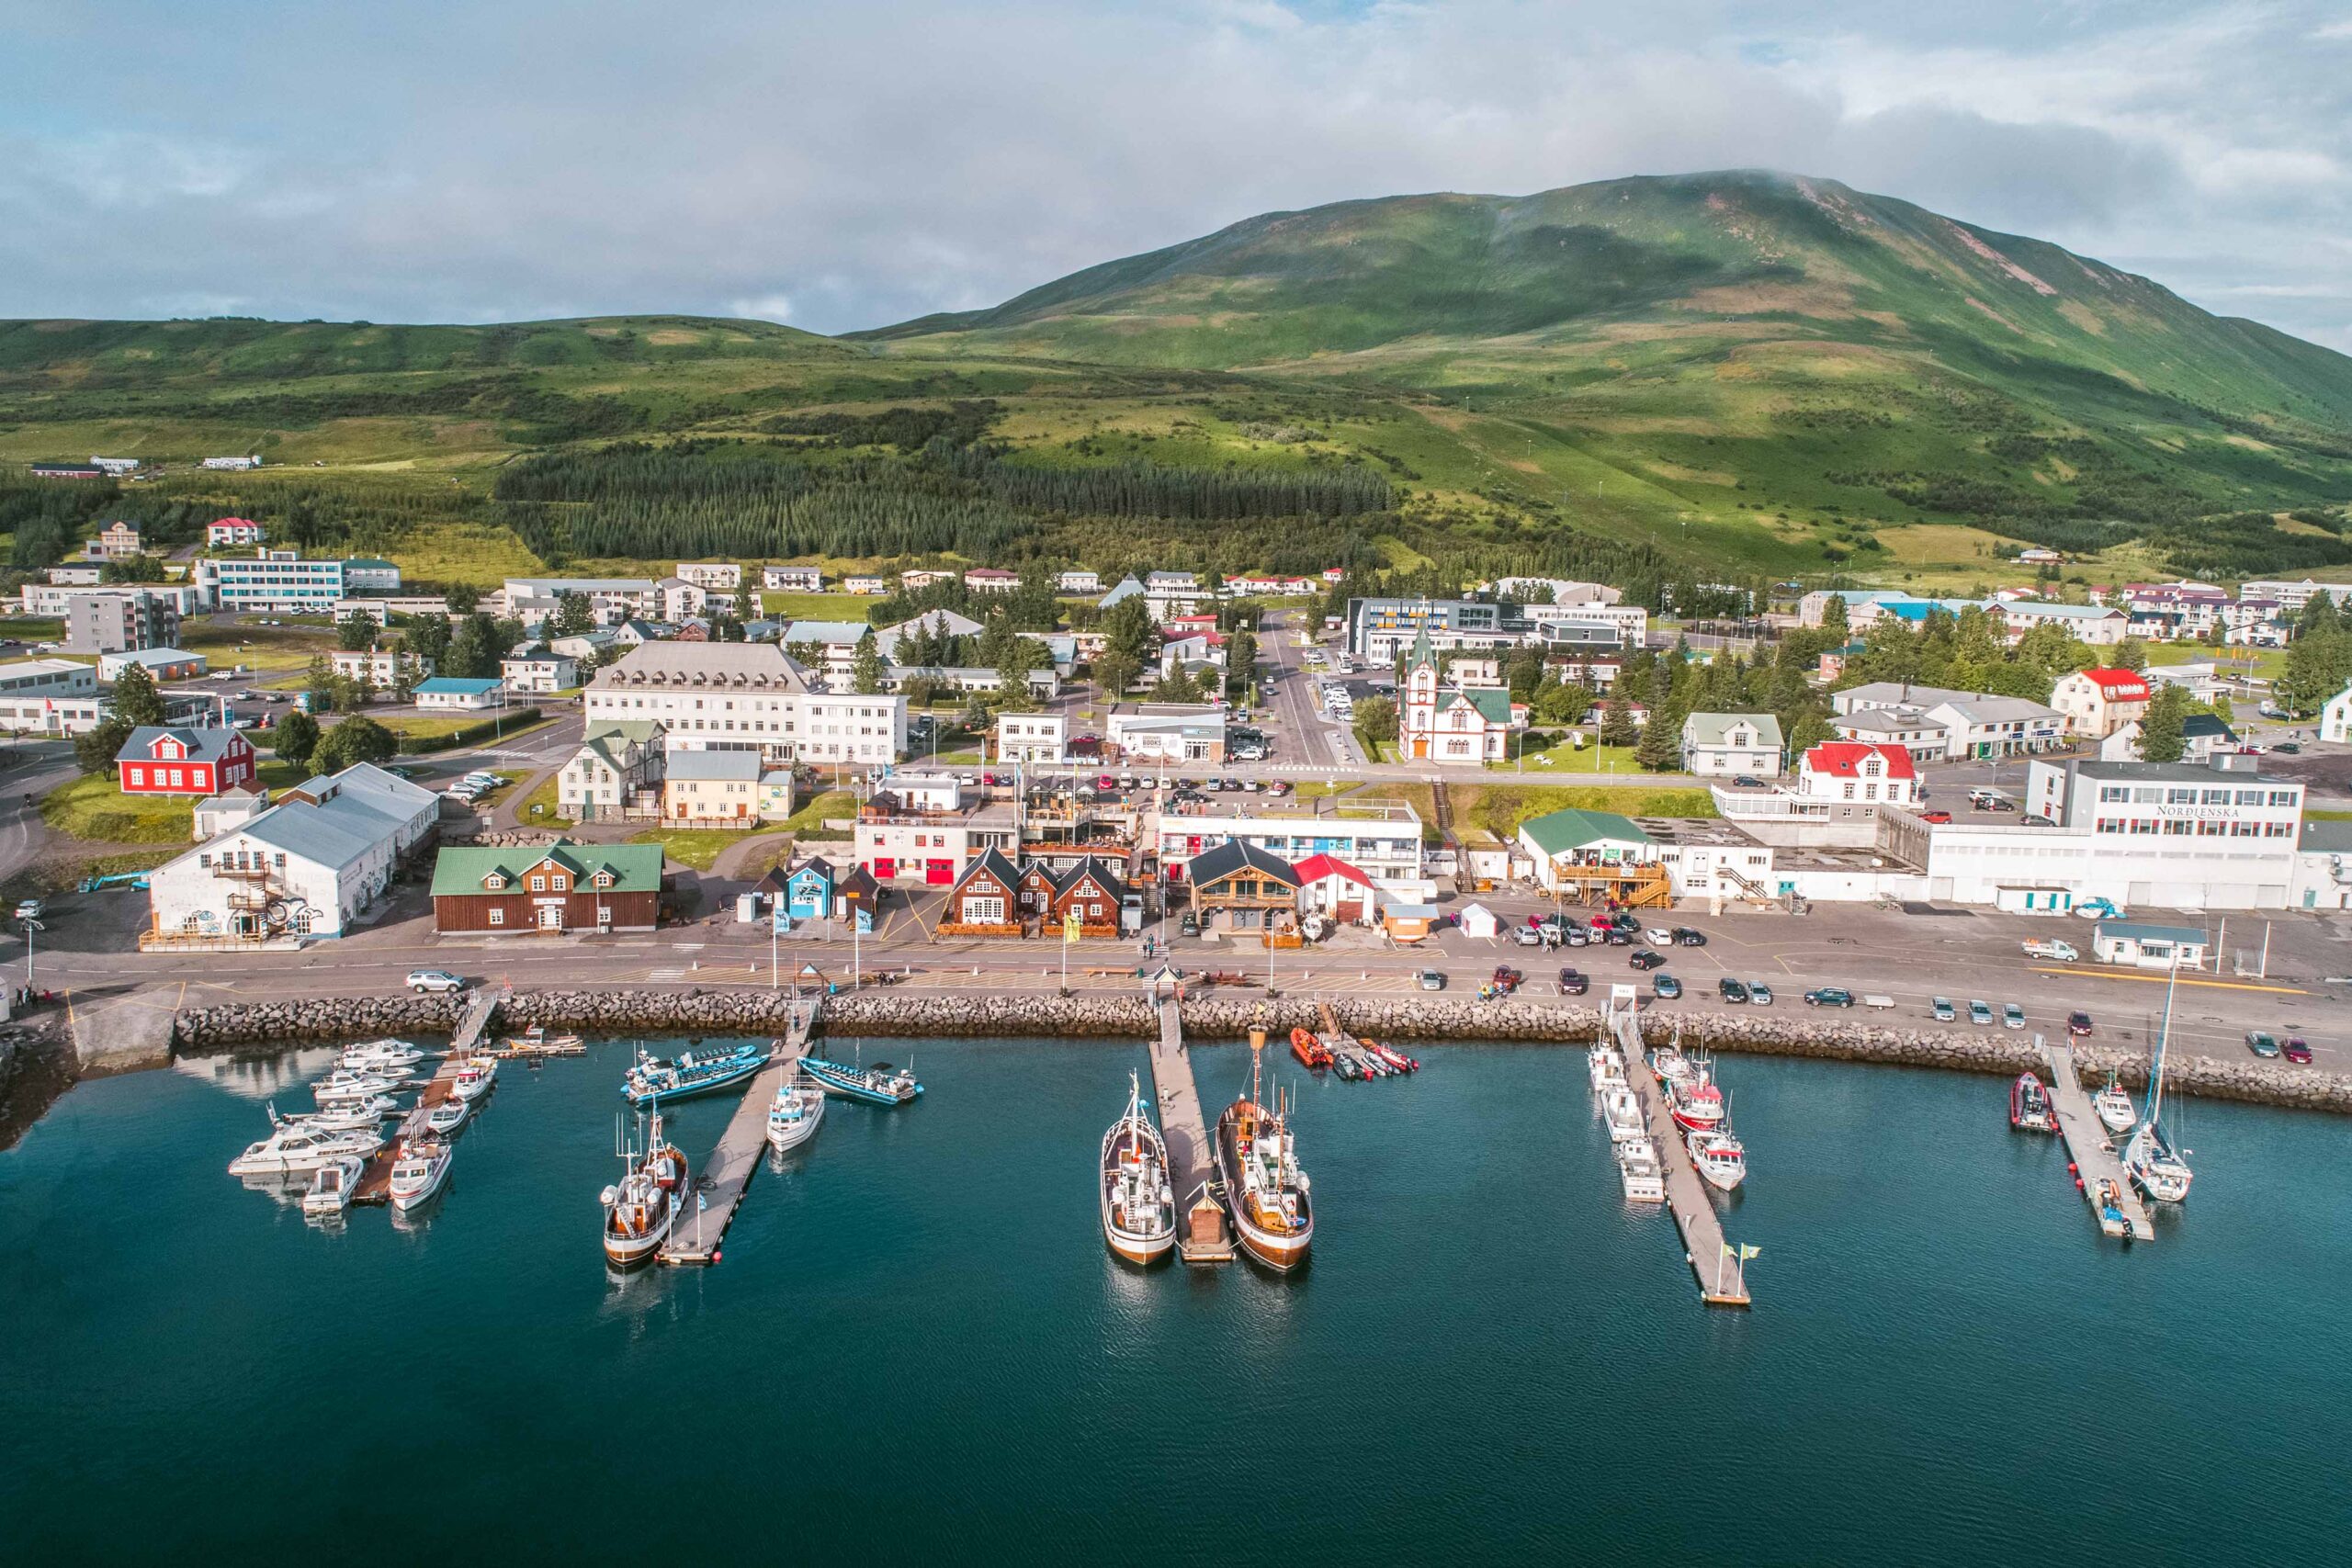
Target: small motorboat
[(1670, 1066), (1393, 1058), (536, 1042), (344, 1085), (1350, 1067), (345, 1116), (381, 1057), (1639, 1171), (1308, 1047), (1719, 1157), (332, 1185), (1605, 1064), (2029, 1106), (298, 1151), (448, 1116), (475, 1075), (2109, 1201), (2113, 1104), (653, 1079), (1623, 1111), (880, 1084), (793, 1118), (417, 1174)]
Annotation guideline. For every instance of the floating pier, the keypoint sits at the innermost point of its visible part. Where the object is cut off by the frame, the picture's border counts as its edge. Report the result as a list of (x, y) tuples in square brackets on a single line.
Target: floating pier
[(472, 1024), (2090, 1147), (1203, 1234), (1723, 1278), (696, 1236), (376, 1181)]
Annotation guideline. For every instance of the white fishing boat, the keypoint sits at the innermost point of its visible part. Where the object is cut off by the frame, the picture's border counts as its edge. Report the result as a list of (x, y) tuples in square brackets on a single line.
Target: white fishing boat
[(1623, 1109), (1718, 1156), (332, 1185), (2113, 1104), (1139, 1204), (2154, 1167), (1671, 1067), (344, 1085), (448, 1116), (379, 1057), (292, 1150), (475, 1075), (1638, 1169), (792, 1120), (417, 1174), (1605, 1064), (640, 1211)]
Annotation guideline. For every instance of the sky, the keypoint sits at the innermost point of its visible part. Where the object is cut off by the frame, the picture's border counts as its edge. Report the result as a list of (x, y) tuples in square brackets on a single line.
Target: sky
[(850, 165)]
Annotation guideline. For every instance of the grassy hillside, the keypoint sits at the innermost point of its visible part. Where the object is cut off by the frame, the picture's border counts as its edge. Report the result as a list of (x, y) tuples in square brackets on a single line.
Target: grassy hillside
[(1712, 376)]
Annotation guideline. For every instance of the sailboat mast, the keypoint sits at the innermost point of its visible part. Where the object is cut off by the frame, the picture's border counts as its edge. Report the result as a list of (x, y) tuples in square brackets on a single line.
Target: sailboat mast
[(2164, 1039)]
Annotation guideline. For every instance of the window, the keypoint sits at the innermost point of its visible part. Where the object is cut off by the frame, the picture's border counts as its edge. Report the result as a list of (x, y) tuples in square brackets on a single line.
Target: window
[(498, 916), (538, 885)]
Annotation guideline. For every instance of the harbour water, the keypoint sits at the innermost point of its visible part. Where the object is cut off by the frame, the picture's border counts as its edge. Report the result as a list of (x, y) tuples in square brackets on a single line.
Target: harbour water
[(917, 1346)]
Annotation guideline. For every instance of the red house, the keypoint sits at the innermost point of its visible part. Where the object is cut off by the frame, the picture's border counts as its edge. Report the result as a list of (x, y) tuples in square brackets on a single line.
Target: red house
[(158, 759)]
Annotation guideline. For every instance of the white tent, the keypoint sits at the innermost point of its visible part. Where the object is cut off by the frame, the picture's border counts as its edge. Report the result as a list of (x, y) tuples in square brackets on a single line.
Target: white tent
[(1479, 921)]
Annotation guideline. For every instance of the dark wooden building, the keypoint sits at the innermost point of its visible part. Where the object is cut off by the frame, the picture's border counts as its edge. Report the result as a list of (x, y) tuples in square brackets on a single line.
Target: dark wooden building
[(561, 886)]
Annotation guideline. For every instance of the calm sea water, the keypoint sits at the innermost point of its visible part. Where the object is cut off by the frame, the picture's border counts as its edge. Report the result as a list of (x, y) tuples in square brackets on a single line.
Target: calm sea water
[(917, 1348)]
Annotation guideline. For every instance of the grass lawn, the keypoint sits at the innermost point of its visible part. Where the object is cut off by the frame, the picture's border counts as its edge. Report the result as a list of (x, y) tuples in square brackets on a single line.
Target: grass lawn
[(422, 725), (93, 809), (697, 847), (2261, 663), (2309, 816), (815, 606), (544, 798), (811, 818), (270, 649), (1567, 759)]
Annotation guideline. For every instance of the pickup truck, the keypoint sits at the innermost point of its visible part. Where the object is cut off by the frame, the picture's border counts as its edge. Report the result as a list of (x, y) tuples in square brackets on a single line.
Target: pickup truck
[(2060, 952)]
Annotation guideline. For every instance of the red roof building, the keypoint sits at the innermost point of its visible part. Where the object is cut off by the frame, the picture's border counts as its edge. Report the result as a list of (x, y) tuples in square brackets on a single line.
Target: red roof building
[(156, 759), (1340, 890), (2098, 702), (1859, 770)]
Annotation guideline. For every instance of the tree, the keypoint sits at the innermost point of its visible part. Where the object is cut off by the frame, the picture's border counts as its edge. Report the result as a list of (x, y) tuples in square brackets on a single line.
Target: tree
[(136, 701), (298, 737), (2131, 653), (1377, 719), (1834, 620), (95, 748), (747, 606), (1660, 747), (1179, 687), (461, 600), (470, 657), (1617, 720), (427, 637), (866, 671), (1019, 656), (1114, 671), (354, 741), (1128, 628), (406, 673), (357, 633), (318, 683), (2160, 726), (141, 567), (573, 615)]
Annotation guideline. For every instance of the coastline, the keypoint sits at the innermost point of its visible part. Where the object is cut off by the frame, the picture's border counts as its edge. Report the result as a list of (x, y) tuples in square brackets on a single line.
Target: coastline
[(1095, 1016)]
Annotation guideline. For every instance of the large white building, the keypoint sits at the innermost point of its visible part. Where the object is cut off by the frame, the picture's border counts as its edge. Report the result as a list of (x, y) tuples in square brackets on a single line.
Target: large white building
[(2336, 718), (1382, 838), (746, 697), (1031, 737), (306, 867), (282, 582), (1732, 743), (1937, 724), (50, 696)]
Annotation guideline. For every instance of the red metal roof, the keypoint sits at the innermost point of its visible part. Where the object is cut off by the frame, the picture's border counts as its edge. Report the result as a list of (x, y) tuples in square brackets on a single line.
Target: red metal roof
[(2118, 684), (1843, 759), (1314, 868)]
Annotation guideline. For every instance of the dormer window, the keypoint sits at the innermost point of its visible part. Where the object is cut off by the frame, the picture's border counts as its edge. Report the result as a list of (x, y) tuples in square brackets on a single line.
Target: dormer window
[(495, 882), (603, 879)]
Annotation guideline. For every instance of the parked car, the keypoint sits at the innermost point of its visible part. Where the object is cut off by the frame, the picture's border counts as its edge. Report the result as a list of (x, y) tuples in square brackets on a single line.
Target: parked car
[(1830, 997), (1618, 937), (2012, 1016), (1759, 995), (2078, 1023), (1667, 988), (1745, 781), (1662, 936), (2262, 1042), (2291, 748), (423, 981), (30, 908), (1941, 1010), (1980, 1014), (1732, 991), (1190, 925), (2298, 1050), (1530, 936), (1574, 936), (1572, 982), (2062, 952), (1684, 936), (1643, 958), (1627, 920), (1938, 818), (1431, 980)]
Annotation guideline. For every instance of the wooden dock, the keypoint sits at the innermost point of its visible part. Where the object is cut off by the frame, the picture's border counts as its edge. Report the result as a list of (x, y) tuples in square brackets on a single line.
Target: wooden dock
[(1722, 1275), (2089, 1145), (376, 1181), (480, 1007), (722, 1179), (1203, 1235)]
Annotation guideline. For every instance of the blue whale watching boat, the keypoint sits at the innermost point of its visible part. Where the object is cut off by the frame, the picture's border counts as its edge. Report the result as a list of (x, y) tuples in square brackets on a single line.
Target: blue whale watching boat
[(655, 1079), (880, 1084)]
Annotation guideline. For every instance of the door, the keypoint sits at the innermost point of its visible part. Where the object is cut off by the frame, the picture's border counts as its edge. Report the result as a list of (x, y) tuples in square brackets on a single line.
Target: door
[(939, 873), (551, 917)]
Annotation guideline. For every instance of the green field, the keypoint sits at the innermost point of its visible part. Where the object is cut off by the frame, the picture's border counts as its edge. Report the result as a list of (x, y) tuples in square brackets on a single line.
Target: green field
[(1728, 376), (93, 809)]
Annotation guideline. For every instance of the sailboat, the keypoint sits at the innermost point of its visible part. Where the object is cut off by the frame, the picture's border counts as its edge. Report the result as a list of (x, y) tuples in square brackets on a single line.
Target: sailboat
[(1138, 1205), (2154, 1167)]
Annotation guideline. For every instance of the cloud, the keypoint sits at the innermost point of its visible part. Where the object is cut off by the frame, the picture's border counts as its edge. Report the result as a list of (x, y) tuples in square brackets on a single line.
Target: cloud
[(848, 166)]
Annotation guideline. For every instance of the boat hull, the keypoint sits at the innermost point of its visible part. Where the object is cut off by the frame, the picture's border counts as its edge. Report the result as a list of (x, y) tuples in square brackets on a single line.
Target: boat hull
[(712, 1085), (1136, 1244), (783, 1136), (848, 1084), (1281, 1251)]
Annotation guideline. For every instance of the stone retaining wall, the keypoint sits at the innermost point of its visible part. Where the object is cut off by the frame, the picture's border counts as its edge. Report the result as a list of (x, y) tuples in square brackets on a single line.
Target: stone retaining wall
[(1216, 1016)]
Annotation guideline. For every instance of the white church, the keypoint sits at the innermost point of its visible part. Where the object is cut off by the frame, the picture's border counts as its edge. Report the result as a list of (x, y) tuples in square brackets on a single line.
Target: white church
[(1464, 724)]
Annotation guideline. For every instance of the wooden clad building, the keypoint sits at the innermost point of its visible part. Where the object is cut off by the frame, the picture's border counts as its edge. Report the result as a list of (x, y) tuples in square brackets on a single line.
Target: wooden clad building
[(561, 886)]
